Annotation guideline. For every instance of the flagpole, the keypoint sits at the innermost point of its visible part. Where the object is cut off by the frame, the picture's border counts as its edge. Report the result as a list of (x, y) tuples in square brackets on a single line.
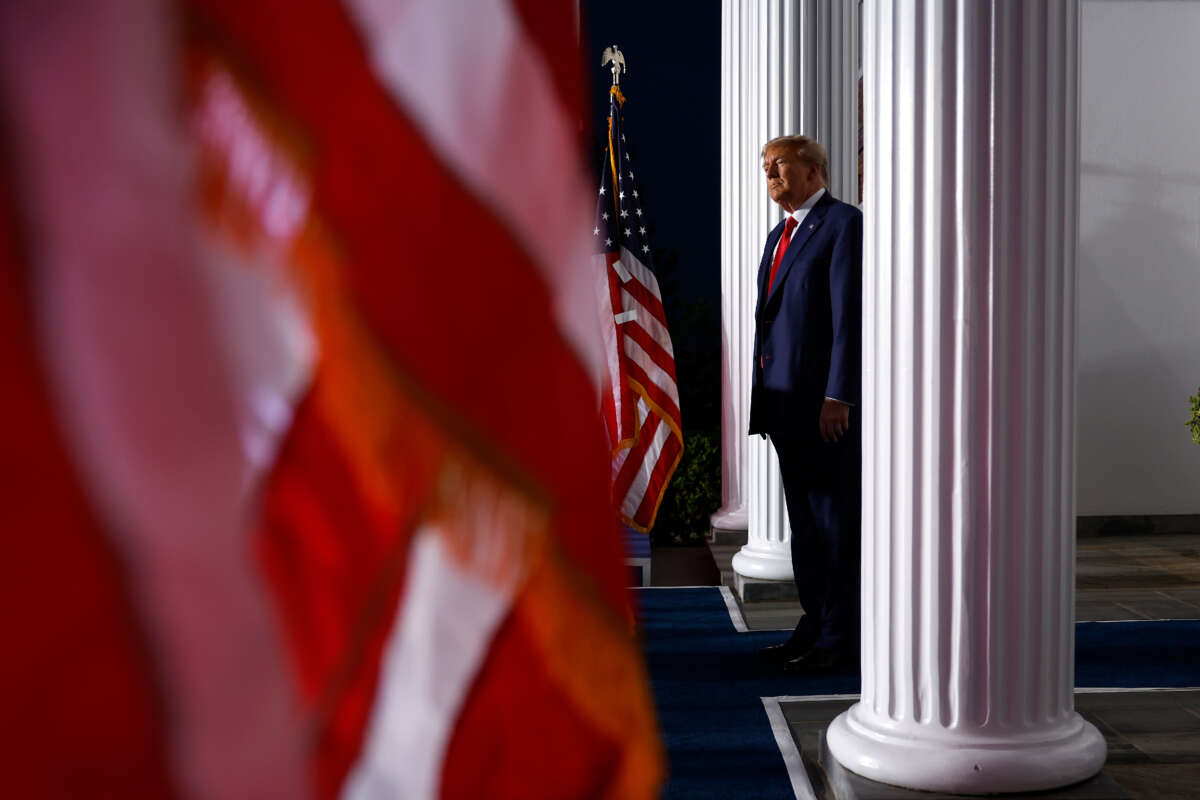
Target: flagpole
[(613, 55), (643, 413)]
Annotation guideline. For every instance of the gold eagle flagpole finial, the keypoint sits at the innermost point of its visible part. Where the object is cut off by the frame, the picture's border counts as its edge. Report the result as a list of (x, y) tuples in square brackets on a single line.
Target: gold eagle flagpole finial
[(614, 56)]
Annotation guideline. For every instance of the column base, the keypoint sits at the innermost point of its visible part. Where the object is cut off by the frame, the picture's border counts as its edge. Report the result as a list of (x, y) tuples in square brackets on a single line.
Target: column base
[(1066, 753), (730, 526), (769, 565), (753, 590)]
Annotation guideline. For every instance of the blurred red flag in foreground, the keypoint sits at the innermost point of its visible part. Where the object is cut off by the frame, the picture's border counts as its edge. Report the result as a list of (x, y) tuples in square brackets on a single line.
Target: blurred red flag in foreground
[(309, 491)]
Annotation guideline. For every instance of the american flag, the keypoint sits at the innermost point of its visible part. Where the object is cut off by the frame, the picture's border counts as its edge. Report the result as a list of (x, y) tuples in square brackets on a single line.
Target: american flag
[(641, 408), (281, 526)]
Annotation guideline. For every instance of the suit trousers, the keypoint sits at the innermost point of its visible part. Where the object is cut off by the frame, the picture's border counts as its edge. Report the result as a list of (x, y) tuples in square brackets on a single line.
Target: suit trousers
[(822, 486)]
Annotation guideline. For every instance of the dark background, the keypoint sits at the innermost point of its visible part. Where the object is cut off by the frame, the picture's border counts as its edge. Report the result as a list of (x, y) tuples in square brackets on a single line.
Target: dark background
[(672, 117)]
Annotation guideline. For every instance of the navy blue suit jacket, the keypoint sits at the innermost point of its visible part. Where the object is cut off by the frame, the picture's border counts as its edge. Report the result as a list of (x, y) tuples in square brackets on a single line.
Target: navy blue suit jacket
[(808, 331)]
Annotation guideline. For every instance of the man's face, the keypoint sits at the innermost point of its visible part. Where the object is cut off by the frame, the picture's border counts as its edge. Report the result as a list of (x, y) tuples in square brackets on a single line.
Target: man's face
[(790, 181)]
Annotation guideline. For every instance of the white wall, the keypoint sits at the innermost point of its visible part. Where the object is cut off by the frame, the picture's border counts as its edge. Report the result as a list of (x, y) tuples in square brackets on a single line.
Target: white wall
[(1139, 257)]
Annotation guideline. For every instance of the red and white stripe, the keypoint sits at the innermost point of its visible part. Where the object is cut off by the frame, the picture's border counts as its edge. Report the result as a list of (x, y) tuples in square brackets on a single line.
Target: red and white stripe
[(178, 371), (644, 359), (464, 73), (168, 420)]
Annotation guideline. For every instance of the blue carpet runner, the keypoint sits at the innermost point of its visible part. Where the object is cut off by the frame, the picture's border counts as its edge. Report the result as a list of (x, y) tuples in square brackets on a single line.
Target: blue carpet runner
[(707, 685)]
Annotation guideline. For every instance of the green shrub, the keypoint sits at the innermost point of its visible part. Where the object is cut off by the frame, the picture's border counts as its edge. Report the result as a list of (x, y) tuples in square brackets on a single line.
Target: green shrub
[(693, 495), (1194, 422)]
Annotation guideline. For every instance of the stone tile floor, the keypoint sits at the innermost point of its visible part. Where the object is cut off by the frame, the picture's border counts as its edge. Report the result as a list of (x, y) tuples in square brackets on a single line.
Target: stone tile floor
[(1153, 737), (1153, 740), (1154, 576), (1138, 577)]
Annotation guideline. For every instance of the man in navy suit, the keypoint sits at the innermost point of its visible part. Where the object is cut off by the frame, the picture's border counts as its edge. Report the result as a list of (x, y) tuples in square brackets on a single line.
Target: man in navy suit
[(805, 395)]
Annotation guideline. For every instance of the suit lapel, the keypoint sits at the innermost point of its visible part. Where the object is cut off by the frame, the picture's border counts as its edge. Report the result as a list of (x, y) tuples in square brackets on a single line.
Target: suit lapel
[(764, 266), (812, 221)]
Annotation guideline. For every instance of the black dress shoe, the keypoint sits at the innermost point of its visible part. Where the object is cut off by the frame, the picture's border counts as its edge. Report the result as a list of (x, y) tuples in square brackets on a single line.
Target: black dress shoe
[(784, 652), (816, 660)]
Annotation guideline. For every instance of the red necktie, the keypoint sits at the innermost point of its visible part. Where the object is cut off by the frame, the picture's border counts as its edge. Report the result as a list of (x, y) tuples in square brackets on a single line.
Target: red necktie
[(784, 240)]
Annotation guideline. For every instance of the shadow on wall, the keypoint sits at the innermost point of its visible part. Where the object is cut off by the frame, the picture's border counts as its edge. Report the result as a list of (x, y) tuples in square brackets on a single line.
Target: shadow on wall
[(1139, 342)]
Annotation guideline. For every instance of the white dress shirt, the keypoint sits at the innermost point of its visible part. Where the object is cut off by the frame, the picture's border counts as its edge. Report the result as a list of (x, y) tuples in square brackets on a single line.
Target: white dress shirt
[(799, 214)]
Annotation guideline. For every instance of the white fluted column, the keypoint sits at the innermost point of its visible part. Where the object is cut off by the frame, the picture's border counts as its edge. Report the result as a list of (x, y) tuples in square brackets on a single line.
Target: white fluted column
[(970, 196), (733, 515), (789, 66)]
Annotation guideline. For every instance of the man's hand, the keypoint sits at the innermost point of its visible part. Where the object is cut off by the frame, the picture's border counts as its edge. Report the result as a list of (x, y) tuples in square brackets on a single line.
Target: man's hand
[(835, 419)]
